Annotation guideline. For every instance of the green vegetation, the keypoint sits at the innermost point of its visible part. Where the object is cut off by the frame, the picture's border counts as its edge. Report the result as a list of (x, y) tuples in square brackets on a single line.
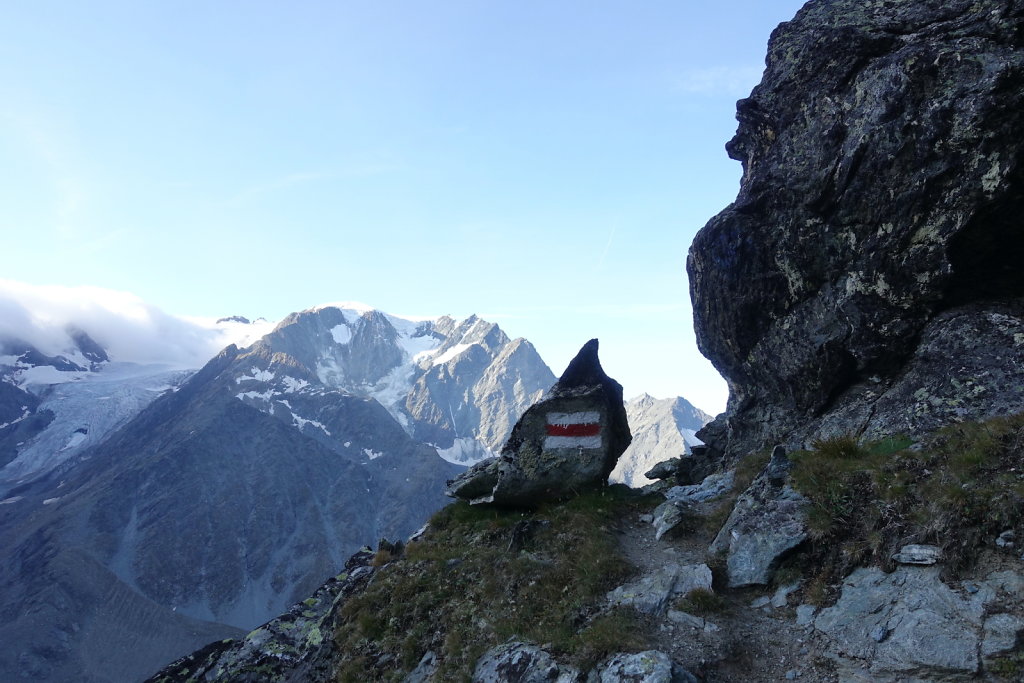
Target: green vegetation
[(1007, 668), (958, 490), (702, 603), (481, 575)]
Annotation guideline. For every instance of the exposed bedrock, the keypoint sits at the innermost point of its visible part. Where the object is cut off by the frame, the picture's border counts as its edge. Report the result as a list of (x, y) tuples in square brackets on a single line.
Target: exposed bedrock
[(869, 277)]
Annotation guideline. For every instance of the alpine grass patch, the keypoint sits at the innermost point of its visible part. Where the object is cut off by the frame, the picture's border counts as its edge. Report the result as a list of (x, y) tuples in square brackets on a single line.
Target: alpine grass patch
[(481, 575)]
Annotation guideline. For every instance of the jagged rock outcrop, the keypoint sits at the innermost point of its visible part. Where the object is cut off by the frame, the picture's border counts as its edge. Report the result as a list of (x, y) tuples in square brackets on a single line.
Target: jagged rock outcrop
[(296, 646), (867, 278), (767, 521), (567, 442)]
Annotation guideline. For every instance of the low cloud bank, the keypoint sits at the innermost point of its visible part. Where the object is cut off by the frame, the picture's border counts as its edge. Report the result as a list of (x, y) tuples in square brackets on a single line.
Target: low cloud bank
[(122, 323)]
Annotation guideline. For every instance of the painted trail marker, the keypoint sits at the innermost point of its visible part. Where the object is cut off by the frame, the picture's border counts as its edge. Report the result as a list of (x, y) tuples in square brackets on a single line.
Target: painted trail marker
[(573, 430)]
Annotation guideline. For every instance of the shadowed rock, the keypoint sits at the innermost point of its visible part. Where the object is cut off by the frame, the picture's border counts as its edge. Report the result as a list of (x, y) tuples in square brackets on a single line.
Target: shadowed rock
[(567, 442), (867, 278)]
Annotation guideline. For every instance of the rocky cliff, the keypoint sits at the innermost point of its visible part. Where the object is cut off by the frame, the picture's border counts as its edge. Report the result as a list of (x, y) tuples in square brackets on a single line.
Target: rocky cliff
[(867, 278)]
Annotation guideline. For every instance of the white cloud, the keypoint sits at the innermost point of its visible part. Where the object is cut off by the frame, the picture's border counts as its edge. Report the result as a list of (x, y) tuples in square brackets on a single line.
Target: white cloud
[(737, 81), (122, 323)]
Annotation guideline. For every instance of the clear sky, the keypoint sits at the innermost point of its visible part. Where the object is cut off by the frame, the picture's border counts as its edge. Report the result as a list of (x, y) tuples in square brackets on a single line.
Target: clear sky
[(544, 164)]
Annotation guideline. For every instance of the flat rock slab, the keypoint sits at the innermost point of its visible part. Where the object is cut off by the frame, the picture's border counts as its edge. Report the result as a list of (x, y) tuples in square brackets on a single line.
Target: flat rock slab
[(918, 554), (651, 593), (907, 623)]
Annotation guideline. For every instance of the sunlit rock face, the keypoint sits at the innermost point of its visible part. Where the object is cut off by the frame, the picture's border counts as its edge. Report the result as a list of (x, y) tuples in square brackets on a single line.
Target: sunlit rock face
[(867, 278)]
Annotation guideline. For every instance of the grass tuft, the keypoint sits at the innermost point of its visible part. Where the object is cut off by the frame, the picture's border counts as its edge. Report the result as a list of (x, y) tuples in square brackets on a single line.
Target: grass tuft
[(702, 603), (959, 489)]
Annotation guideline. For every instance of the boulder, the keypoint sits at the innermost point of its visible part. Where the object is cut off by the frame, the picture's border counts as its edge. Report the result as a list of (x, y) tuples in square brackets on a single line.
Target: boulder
[(767, 521), (567, 442), (522, 663), (666, 469), (867, 278)]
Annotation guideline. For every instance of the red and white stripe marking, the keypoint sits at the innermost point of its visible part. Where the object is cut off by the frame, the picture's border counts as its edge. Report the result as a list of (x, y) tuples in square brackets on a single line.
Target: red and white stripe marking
[(573, 430)]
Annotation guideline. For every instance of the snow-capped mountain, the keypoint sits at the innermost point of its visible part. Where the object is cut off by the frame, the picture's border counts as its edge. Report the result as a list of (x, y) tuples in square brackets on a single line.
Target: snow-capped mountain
[(148, 512), (662, 429), (69, 392), (458, 386)]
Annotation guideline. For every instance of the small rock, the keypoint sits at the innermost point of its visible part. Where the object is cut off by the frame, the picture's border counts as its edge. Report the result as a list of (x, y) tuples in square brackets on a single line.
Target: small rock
[(760, 602), (686, 619), (1006, 539), (879, 633), (646, 519), (424, 671), (651, 593), (805, 615), (792, 675), (918, 554), (667, 517), (781, 596)]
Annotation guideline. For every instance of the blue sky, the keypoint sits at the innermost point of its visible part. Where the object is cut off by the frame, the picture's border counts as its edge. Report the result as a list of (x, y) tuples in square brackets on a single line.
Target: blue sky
[(542, 164)]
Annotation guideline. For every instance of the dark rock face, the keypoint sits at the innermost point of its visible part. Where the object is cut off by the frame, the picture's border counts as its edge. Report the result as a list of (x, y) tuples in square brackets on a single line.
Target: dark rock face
[(874, 249), (568, 441)]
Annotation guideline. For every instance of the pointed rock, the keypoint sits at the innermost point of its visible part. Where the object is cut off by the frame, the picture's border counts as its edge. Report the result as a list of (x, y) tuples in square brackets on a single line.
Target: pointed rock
[(567, 442)]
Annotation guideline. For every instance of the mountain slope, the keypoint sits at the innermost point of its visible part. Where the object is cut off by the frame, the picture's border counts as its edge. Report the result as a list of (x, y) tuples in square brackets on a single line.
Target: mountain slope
[(662, 429), (236, 492)]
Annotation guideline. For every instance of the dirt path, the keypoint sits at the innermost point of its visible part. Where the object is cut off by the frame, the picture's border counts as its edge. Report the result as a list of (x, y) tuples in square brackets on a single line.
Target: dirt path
[(738, 642)]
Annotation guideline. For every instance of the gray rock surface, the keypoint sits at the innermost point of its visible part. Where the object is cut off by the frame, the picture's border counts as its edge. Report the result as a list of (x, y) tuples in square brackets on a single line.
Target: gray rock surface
[(866, 279), (522, 663), (905, 624), (650, 666), (652, 593), (767, 521), (1002, 634), (666, 518), (567, 442)]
